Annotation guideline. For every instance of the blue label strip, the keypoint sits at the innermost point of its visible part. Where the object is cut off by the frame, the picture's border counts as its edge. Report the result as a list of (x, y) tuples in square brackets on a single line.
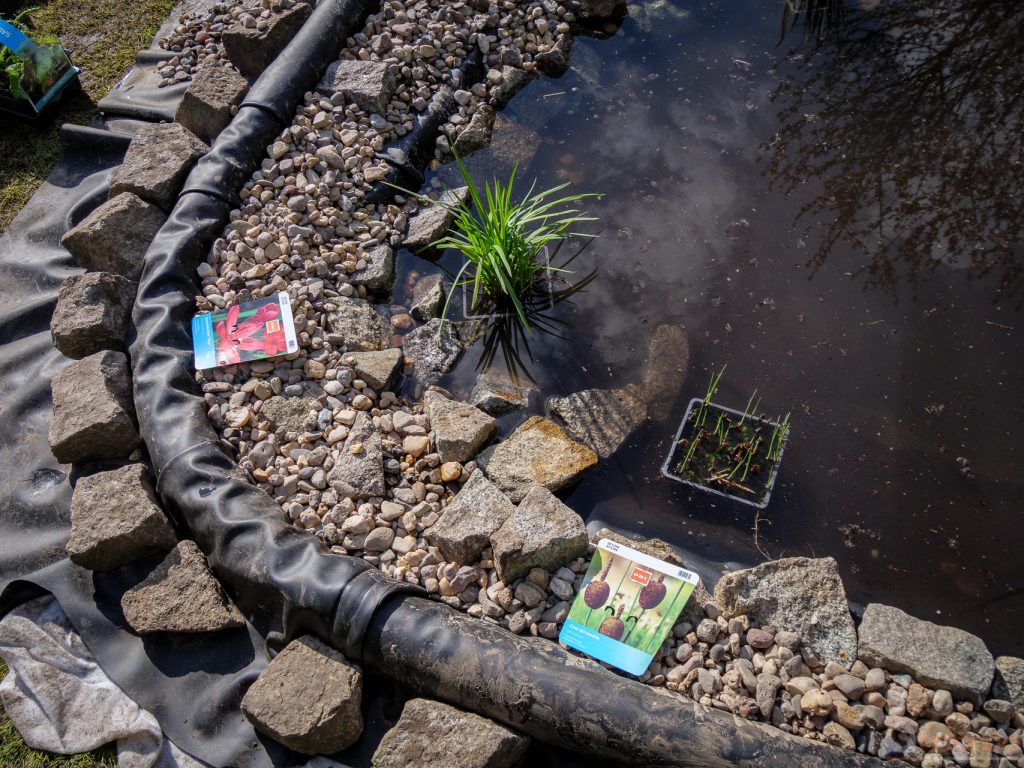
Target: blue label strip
[(13, 38), (604, 648)]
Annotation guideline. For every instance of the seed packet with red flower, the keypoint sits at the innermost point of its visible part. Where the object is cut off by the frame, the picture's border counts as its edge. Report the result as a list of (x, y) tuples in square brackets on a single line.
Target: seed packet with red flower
[(256, 330), (627, 605)]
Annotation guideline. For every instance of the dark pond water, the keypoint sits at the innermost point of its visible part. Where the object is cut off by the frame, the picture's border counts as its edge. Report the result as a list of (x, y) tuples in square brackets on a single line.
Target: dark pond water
[(841, 228)]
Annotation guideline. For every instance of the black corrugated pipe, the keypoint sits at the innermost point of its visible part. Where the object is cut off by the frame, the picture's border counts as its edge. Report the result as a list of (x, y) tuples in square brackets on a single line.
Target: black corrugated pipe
[(289, 584)]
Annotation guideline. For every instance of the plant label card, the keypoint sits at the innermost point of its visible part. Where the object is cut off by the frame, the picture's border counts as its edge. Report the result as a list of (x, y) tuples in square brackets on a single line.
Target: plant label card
[(628, 604), (256, 330), (43, 70)]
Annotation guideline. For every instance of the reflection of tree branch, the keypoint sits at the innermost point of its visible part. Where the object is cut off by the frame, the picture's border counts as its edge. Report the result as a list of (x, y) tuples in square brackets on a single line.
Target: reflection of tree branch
[(909, 122)]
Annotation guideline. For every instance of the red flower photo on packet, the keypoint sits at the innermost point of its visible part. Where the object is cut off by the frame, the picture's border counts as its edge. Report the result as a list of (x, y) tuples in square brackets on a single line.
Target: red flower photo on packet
[(256, 330)]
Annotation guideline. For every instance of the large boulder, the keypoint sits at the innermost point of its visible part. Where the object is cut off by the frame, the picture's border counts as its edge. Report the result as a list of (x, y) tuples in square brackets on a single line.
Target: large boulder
[(308, 698), (93, 412), (157, 162), (377, 368), (360, 326), (379, 274), (115, 237), (542, 533), (210, 100), (537, 453), (434, 349), (496, 393), (797, 594), (430, 733), (1008, 683), (115, 519), (180, 595), (935, 656), (460, 429), (601, 419), (251, 49), (433, 221), (465, 527), (359, 468), (666, 362), (368, 84), (92, 313)]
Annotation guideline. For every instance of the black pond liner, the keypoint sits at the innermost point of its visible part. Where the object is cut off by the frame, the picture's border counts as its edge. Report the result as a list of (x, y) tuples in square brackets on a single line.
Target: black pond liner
[(286, 581)]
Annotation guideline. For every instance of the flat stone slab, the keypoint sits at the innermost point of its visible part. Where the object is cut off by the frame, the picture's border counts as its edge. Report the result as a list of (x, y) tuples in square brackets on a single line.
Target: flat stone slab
[(115, 519), (542, 533), (433, 355), (251, 49), (460, 429), (369, 84), (180, 595), (208, 103), (359, 469), (360, 326), (157, 162), (601, 419), (92, 314), (935, 656), (308, 698), (432, 221), (379, 275), (666, 362), (537, 453), (93, 412), (376, 368), (797, 594), (291, 413), (496, 393), (430, 733), (115, 237), (464, 529)]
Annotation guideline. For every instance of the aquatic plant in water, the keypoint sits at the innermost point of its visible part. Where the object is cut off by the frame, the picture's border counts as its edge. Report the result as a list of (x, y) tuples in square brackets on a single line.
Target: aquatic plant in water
[(501, 241), (732, 452)]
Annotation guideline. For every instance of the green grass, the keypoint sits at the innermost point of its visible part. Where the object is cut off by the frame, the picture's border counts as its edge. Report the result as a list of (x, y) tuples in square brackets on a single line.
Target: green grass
[(102, 37), (14, 753)]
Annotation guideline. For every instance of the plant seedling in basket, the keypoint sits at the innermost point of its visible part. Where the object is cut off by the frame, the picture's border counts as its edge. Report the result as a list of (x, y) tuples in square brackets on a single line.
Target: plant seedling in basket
[(728, 452)]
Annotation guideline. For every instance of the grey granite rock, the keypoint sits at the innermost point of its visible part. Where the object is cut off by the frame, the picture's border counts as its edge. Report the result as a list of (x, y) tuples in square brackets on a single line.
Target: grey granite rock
[(601, 419), (542, 533), (934, 655), (600, 9), (92, 313), (209, 102), (796, 594), (433, 221), (460, 429), (379, 275), (359, 468), (377, 367), (464, 529), (428, 297), (93, 412), (290, 413), (537, 453), (115, 237), (1008, 682), (555, 63), (360, 326), (115, 519), (251, 49), (477, 135), (496, 393), (666, 362), (513, 80), (157, 162), (433, 354), (369, 84), (180, 595), (308, 698), (430, 733)]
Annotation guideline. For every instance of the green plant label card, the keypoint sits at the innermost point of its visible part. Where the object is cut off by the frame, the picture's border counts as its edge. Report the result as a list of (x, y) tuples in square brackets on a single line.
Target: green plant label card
[(256, 330), (626, 607)]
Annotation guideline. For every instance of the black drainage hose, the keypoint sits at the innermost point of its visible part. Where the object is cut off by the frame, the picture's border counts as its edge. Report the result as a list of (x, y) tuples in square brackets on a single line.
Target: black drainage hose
[(287, 582)]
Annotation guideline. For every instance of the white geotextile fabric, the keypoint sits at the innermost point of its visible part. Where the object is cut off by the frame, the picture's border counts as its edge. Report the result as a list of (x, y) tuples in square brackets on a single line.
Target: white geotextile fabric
[(61, 701)]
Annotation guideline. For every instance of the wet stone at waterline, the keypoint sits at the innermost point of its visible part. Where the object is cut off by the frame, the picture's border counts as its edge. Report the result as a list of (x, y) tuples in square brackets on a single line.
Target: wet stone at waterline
[(602, 419)]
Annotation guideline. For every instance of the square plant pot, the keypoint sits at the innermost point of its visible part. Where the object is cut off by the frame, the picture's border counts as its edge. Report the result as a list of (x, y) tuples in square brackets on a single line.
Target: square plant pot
[(710, 466)]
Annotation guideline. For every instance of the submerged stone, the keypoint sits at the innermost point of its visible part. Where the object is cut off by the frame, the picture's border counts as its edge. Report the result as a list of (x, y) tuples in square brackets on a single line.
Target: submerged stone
[(602, 419)]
